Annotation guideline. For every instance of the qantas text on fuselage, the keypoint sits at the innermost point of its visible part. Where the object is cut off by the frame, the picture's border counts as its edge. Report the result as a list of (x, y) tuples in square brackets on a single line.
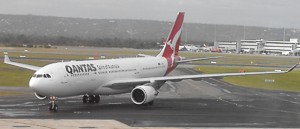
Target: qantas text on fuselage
[(85, 68)]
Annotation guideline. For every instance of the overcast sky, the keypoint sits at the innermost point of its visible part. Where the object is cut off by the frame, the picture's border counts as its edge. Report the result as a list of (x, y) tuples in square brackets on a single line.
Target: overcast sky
[(269, 13)]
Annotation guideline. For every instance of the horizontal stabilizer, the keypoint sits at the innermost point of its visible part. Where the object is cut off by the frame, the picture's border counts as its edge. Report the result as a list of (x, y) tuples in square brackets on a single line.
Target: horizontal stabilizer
[(144, 55), (198, 59)]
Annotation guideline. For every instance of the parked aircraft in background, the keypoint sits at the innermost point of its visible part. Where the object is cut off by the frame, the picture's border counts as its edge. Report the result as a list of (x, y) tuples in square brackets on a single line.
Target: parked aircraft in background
[(141, 77)]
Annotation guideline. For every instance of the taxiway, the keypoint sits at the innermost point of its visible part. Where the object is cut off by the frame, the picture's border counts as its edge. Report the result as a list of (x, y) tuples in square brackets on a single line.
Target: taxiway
[(205, 103)]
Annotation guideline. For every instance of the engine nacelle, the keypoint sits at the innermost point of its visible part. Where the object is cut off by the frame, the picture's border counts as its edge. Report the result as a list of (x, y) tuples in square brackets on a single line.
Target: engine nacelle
[(143, 94), (40, 96)]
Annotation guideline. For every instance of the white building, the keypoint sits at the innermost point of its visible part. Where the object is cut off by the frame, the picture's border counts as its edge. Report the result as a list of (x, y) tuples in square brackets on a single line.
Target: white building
[(252, 45), (262, 46), (227, 46), (281, 47)]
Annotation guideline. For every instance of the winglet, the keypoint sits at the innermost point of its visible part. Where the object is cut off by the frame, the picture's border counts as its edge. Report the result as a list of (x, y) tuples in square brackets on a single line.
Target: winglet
[(26, 66), (292, 68)]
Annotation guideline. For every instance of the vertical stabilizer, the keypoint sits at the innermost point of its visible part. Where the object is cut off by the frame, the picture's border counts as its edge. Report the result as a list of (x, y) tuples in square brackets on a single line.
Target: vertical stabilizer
[(173, 41), (171, 45)]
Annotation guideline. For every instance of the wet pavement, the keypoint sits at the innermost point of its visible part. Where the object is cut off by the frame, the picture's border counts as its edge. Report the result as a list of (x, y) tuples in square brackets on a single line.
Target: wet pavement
[(205, 103)]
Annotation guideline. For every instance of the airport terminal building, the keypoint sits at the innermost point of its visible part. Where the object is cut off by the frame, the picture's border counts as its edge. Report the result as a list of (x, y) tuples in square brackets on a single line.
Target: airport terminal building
[(291, 47)]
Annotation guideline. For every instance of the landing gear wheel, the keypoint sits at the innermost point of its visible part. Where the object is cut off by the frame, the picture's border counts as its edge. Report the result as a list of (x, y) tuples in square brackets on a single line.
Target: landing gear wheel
[(52, 105), (85, 99), (97, 98), (92, 99)]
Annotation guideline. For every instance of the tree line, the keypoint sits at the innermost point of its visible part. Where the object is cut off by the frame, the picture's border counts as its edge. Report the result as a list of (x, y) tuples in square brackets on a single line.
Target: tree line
[(17, 40)]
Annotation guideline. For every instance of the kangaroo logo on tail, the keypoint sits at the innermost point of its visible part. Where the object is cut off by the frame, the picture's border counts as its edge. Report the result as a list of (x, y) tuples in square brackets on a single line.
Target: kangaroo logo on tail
[(171, 47)]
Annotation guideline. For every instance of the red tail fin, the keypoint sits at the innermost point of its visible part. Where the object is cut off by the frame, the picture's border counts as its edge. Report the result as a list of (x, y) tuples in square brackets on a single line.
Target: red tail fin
[(171, 47)]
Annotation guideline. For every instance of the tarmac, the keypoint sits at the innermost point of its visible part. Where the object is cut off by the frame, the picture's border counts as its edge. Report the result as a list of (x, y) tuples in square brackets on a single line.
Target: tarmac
[(208, 103), (76, 124)]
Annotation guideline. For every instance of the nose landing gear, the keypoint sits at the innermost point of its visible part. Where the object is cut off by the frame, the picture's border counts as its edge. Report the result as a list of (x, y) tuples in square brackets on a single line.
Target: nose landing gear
[(52, 105), (91, 99)]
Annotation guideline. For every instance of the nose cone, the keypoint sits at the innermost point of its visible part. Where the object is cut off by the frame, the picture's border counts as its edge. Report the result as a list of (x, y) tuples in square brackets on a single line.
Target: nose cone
[(33, 84), (38, 86)]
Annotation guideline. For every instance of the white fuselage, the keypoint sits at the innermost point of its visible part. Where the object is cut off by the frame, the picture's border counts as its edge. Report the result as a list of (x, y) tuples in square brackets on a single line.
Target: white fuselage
[(90, 77)]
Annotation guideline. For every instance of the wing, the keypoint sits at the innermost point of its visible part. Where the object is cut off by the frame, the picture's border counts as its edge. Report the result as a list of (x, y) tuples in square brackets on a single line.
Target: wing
[(198, 59), (26, 66), (140, 81)]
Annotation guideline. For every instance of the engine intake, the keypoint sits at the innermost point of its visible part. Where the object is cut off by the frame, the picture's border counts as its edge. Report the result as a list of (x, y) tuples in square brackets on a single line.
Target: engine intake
[(143, 94)]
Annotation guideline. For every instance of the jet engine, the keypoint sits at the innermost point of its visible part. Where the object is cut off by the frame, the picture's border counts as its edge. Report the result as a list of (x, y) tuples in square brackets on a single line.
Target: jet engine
[(143, 94), (40, 96)]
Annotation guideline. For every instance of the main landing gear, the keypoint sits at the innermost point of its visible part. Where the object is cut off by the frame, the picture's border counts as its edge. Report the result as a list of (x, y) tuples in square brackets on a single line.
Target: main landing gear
[(52, 105), (91, 99)]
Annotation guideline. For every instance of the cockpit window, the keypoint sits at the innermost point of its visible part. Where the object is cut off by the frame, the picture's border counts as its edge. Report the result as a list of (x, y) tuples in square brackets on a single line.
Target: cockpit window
[(48, 75), (41, 76)]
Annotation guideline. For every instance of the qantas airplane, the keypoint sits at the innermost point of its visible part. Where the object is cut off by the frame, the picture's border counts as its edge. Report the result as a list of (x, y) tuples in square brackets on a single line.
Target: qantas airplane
[(141, 76)]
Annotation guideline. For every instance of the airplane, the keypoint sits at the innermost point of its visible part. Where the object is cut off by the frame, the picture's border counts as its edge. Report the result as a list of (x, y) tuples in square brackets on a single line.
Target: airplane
[(140, 76)]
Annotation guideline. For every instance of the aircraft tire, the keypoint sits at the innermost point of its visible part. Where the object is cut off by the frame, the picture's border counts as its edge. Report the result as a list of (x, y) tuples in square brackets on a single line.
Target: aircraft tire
[(53, 108), (92, 99), (97, 98), (85, 99)]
